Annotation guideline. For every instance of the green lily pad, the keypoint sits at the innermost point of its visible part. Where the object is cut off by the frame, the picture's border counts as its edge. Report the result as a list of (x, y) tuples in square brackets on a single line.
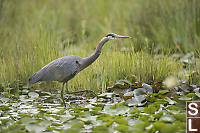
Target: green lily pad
[(163, 92), (167, 118), (147, 87), (121, 121), (137, 85), (139, 91), (121, 91), (122, 84), (101, 129), (158, 115), (122, 128), (150, 98), (106, 95), (180, 117), (151, 109), (197, 92), (170, 101), (33, 95), (172, 107), (115, 109), (4, 108), (138, 100), (190, 95), (184, 98), (186, 88)]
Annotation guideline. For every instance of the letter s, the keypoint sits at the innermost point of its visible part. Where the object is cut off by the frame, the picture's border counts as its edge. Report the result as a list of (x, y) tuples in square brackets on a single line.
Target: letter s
[(192, 108)]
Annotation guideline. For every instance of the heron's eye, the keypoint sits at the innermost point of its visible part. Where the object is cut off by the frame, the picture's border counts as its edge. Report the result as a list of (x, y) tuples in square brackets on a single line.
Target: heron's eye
[(110, 37), (77, 62)]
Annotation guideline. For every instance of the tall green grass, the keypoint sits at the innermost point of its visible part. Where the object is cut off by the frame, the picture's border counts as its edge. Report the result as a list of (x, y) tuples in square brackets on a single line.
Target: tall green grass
[(37, 32)]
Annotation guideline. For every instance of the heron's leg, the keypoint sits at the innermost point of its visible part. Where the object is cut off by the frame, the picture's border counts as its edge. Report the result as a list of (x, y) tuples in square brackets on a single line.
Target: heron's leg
[(67, 91), (62, 94)]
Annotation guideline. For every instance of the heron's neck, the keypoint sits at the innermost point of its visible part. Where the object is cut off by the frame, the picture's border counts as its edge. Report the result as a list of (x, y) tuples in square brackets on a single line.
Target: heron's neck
[(90, 59)]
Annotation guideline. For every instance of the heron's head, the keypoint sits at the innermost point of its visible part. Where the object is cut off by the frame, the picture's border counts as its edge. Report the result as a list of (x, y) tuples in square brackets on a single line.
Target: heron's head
[(115, 36)]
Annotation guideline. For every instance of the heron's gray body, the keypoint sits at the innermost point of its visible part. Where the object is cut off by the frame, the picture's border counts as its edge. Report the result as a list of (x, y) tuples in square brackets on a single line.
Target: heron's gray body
[(61, 69)]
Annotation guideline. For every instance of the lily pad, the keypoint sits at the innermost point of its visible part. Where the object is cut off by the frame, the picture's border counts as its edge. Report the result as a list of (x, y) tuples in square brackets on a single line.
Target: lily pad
[(4, 108), (170, 101), (115, 111), (186, 88), (121, 91), (33, 95), (167, 118), (128, 95), (138, 100), (147, 87), (139, 91), (163, 92), (122, 84), (106, 95), (184, 98), (197, 92)]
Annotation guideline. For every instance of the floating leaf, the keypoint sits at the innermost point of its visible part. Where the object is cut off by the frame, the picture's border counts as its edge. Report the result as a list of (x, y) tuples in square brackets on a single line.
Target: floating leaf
[(158, 115), (121, 91), (122, 84), (33, 95), (137, 85), (163, 92), (151, 109), (186, 88), (172, 107), (127, 95), (197, 92), (78, 125), (184, 98), (121, 121), (139, 91), (122, 128), (138, 100), (165, 127), (180, 117), (115, 109), (190, 95), (170, 101), (4, 99), (147, 87), (161, 101), (167, 118), (4, 108), (130, 93), (106, 95), (100, 129), (150, 98)]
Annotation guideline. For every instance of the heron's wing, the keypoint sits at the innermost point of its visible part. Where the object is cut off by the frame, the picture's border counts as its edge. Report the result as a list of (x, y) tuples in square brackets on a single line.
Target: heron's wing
[(61, 69)]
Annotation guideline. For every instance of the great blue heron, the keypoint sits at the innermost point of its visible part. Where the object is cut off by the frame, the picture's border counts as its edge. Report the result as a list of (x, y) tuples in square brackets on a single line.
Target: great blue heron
[(65, 68)]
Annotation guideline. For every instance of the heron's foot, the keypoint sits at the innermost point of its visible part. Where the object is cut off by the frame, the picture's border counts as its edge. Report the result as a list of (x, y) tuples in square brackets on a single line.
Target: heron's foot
[(87, 91)]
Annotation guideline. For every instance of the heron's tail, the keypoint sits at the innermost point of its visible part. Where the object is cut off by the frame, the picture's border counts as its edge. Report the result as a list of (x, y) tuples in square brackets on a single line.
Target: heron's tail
[(33, 79)]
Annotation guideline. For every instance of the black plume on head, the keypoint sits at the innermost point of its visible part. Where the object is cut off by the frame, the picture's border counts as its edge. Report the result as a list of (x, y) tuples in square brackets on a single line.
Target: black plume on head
[(111, 34)]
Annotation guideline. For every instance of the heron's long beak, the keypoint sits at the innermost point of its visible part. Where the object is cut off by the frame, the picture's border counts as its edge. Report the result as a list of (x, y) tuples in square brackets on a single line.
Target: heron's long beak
[(119, 36)]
